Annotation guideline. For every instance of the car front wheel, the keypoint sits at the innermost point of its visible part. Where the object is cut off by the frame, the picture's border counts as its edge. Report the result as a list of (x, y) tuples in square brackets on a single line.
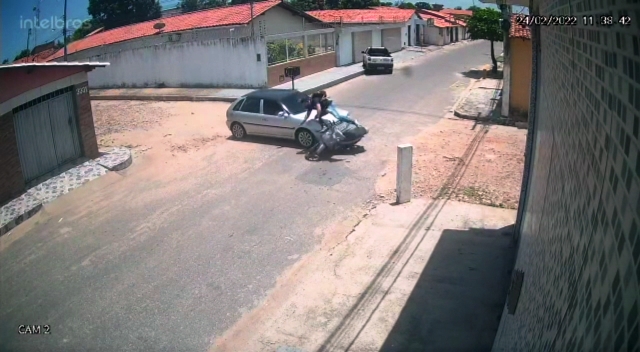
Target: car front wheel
[(238, 131), (305, 138)]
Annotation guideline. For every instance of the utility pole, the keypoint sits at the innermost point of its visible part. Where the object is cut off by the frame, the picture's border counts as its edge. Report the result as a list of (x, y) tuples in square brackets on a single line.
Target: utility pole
[(28, 38), (36, 9), (251, 9), (64, 30)]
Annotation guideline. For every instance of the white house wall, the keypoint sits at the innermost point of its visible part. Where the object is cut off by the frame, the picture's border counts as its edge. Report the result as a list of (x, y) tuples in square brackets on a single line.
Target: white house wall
[(278, 20), (432, 36), (345, 48), (190, 64), (376, 37), (405, 35)]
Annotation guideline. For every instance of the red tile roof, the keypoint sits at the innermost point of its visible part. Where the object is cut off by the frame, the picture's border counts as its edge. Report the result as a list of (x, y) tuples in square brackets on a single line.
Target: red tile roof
[(217, 17), (457, 12), (39, 57), (370, 15), (518, 30), (441, 20)]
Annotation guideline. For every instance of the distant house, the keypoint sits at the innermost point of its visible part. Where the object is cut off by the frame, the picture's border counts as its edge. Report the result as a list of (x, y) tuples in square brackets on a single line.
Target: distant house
[(219, 47), (443, 28), (358, 29), (520, 67), (459, 14), (40, 53)]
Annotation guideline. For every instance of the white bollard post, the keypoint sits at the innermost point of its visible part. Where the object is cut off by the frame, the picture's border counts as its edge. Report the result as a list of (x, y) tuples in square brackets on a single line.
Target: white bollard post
[(404, 173)]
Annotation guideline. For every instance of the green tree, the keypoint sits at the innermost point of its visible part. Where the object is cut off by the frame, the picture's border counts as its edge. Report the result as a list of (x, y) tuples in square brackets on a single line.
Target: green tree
[(386, 4), (485, 24), (423, 5), (87, 27), (118, 13), (305, 5), (358, 4), (405, 5), (23, 53), (5, 61), (195, 5), (437, 7), (474, 8), (458, 8)]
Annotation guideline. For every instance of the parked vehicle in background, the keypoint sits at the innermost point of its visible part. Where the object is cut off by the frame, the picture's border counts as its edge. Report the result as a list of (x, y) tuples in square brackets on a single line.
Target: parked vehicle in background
[(377, 59), (279, 113)]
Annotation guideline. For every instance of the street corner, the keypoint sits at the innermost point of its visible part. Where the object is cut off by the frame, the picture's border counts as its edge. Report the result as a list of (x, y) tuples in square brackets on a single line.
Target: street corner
[(480, 100), (28, 204), (115, 159), (17, 211)]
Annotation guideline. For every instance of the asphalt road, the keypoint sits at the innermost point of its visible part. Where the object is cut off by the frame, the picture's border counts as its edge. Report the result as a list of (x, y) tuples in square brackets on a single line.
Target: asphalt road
[(176, 272)]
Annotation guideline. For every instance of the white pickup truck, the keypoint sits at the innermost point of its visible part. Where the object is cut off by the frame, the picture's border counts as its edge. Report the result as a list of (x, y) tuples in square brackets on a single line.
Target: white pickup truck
[(377, 59)]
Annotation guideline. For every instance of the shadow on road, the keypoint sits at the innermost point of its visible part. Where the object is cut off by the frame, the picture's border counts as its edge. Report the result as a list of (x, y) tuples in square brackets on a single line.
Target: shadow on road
[(374, 294), (457, 301), (478, 74), (276, 142)]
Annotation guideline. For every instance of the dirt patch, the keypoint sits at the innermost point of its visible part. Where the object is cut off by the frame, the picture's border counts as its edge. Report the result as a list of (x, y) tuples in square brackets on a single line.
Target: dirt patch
[(121, 116), (194, 144), (459, 160), (164, 128)]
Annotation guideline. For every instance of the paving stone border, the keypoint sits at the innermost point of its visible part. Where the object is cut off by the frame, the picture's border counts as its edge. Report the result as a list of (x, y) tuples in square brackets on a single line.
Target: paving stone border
[(27, 205)]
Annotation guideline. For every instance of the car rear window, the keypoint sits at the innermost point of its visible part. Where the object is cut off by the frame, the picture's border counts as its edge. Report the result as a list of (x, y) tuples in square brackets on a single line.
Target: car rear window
[(251, 105), (382, 52), (238, 105), (293, 103)]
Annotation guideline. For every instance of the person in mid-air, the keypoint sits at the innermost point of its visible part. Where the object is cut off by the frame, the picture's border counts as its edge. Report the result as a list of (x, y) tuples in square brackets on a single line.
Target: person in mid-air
[(316, 103)]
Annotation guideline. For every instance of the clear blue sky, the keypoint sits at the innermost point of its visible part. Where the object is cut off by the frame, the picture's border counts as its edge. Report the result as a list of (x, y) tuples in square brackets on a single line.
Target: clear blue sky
[(17, 16)]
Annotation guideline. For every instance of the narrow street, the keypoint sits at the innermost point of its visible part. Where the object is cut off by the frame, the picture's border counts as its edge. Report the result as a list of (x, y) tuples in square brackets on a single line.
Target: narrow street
[(138, 262)]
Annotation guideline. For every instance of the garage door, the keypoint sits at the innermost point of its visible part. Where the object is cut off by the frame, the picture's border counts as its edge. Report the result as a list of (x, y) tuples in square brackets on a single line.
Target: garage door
[(47, 133), (361, 41), (392, 39)]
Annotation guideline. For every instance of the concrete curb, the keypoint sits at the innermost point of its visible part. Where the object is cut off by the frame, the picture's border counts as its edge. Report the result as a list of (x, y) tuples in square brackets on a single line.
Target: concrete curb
[(37, 204), (335, 82), (213, 97), (20, 218), (463, 96), (165, 98)]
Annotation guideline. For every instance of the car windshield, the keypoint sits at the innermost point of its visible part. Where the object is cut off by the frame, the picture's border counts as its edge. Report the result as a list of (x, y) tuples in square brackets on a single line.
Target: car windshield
[(382, 52), (293, 103)]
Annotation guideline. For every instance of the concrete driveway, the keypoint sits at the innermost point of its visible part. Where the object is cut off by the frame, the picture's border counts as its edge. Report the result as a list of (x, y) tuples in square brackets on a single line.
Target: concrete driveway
[(150, 260)]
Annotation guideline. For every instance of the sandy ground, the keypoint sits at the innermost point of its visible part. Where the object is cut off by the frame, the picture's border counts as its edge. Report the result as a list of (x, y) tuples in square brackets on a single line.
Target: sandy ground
[(402, 279), (461, 160), (159, 128)]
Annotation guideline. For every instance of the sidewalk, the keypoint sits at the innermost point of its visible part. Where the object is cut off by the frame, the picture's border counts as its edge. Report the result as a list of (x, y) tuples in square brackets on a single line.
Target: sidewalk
[(426, 275), (320, 80), (20, 209), (480, 101)]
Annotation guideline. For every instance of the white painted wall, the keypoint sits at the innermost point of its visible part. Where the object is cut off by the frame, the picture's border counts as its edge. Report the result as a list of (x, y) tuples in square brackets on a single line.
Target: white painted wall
[(190, 64), (432, 36), (405, 35), (345, 48), (278, 20), (376, 37)]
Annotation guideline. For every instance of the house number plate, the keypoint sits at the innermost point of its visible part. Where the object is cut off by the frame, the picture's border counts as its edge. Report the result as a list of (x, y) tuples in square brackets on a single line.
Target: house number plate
[(82, 90)]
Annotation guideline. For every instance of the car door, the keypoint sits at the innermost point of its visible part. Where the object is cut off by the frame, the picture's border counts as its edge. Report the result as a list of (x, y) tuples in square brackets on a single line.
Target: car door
[(250, 117), (278, 123)]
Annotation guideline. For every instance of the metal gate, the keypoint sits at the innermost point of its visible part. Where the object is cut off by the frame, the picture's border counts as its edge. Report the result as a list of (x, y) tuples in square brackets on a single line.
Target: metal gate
[(392, 39), (361, 41), (47, 133)]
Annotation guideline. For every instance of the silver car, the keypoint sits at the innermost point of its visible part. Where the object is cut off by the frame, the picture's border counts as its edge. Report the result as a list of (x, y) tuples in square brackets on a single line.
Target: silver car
[(274, 113)]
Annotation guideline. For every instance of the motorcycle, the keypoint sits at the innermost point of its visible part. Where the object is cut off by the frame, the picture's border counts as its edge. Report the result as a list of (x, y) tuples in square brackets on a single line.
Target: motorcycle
[(342, 132)]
